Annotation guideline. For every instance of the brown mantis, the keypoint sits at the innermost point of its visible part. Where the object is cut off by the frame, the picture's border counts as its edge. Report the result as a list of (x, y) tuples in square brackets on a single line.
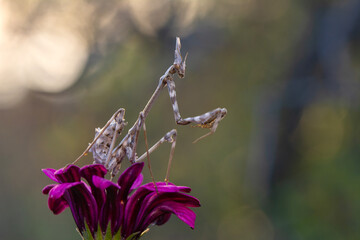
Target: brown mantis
[(104, 148)]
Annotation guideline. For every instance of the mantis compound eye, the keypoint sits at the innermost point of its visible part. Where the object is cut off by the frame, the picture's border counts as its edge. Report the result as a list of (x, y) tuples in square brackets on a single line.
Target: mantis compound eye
[(223, 112)]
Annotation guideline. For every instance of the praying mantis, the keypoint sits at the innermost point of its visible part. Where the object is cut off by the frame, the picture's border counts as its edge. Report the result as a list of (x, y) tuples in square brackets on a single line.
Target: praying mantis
[(104, 148)]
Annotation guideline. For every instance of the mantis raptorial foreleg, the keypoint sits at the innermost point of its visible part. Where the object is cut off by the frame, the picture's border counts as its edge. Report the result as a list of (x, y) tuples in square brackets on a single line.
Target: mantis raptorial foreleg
[(210, 119)]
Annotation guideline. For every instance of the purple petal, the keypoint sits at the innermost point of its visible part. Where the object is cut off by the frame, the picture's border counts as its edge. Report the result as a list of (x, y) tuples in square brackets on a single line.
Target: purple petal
[(85, 206), (70, 173), (137, 182), (166, 187), (117, 213), (162, 219), (154, 200), (58, 205), (80, 200), (47, 188), (143, 207), (128, 178), (132, 208), (103, 183), (50, 173), (88, 172), (111, 210), (183, 213), (56, 201)]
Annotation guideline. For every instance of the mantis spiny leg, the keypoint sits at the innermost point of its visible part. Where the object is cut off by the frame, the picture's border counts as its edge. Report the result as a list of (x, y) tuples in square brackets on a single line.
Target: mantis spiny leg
[(168, 137), (209, 120), (148, 157)]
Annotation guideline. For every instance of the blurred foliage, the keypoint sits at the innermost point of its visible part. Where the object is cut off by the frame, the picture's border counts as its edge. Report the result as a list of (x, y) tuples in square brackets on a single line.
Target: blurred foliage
[(283, 164)]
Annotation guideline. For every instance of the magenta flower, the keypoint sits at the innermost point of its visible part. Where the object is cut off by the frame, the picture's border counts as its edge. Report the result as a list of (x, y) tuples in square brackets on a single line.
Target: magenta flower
[(115, 211)]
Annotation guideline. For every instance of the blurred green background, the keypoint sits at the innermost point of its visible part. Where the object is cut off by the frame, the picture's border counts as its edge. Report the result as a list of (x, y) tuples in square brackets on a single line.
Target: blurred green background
[(283, 164)]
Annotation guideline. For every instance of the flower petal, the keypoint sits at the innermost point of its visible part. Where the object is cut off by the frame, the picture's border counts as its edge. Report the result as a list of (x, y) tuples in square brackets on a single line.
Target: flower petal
[(145, 199), (137, 182), (128, 178), (80, 200), (47, 188), (111, 210), (58, 205), (166, 187), (183, 213), (56, 201), (86, 206), (162, 219), (70, 173), (132, 208), (154, 200), (88, 172), (50, 173), (103, 183)]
